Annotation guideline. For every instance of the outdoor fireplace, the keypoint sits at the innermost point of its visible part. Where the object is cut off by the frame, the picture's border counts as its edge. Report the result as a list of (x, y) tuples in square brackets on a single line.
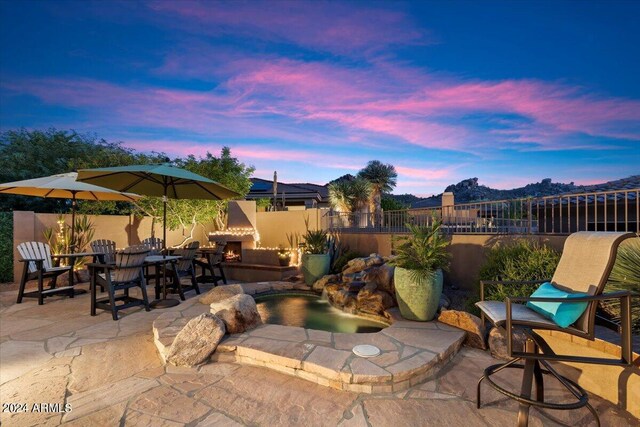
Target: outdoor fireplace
[(240, 232)]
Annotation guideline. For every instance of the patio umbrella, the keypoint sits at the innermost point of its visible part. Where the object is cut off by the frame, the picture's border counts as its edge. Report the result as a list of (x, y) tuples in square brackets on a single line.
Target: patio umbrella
[(160, 180), (65, 186)]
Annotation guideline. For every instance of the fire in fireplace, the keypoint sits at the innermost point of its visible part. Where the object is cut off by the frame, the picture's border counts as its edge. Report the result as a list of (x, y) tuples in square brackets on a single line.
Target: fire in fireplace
[(233, 252)]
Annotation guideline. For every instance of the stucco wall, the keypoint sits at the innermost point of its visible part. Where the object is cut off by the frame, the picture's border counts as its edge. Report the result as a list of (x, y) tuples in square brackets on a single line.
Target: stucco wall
[(273, 227)]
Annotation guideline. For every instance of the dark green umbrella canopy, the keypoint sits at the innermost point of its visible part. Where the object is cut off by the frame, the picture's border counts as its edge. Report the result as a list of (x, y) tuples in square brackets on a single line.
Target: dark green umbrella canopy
[(160, 180), (157, 180)]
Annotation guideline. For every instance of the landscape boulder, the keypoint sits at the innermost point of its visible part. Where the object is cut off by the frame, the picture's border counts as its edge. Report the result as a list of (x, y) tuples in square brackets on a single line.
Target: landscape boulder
[(373, 301), (196, 341), (498, 342), (220, 293), (239, 313), (319, 285), (467, 322), (360, 264), (382, 276)]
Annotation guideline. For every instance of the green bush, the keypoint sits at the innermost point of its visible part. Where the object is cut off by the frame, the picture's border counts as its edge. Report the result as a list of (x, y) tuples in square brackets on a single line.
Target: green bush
[(6, 247), (625, 276), (518, 261)]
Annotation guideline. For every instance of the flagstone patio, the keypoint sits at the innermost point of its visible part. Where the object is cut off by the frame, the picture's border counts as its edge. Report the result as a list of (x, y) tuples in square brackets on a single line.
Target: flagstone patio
[(110, 373)]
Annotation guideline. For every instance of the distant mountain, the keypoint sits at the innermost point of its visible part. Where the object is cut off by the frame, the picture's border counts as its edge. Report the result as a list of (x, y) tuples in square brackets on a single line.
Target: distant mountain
[(469, 190)]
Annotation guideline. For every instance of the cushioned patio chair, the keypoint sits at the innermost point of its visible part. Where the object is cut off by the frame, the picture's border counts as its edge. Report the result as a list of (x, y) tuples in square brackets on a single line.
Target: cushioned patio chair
[(580, 278), (184, 267), (125, 273), (40, 264)]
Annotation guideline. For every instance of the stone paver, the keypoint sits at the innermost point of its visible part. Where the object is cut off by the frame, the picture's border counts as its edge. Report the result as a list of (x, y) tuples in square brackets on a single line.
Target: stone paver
[(326, 361), (19, 357), (169, 403), (104, 363)]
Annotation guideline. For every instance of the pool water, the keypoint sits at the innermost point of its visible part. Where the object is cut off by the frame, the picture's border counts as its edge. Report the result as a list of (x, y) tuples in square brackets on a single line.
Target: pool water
[(312, 312)]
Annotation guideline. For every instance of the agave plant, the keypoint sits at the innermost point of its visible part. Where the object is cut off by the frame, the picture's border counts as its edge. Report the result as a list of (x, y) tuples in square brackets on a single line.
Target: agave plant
[(422, 252), (625, 276)]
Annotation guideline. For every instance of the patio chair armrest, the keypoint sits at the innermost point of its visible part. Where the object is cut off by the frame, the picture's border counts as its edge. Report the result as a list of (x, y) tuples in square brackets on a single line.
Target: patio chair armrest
[(32, 260), (100, 265), (588, 298), (484, 283), (625, 304)]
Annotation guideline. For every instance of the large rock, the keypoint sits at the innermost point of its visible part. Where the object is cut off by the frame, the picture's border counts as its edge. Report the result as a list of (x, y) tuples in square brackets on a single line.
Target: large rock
[(220, 293), (498, 342), (373, 301), (360, 264), (319, 285), (239, 313), (467, 322), (382, 276), (196, 341)]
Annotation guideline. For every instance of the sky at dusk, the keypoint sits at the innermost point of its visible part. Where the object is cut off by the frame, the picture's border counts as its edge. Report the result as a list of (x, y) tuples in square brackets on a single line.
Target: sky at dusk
[(509, 92)]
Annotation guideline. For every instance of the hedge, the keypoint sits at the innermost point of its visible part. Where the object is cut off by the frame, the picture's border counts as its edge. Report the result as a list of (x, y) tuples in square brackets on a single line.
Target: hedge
[(6, 247)]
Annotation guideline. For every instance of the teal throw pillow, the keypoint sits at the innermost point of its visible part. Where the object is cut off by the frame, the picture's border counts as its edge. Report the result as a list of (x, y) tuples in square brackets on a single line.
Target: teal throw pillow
[(562, 313)]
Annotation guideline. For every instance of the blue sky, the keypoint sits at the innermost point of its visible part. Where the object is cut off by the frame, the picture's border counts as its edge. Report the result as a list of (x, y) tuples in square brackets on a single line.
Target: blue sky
[(509, 92)]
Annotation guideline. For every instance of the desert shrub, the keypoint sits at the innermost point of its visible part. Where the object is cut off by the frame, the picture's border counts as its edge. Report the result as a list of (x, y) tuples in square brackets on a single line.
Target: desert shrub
[(6, 247), (625, 276), (518, 261)]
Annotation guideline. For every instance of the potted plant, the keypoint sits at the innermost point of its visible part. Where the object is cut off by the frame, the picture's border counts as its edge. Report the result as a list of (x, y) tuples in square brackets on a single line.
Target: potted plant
[(420, 259), (315, 260), (284, 256)]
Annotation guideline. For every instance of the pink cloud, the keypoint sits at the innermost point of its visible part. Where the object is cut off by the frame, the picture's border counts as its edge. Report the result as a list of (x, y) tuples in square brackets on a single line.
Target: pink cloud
[(326, 26), (299, 101)]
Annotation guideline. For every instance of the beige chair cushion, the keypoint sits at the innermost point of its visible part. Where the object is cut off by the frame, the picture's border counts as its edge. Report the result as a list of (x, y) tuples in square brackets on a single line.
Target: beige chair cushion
[(496, 311)]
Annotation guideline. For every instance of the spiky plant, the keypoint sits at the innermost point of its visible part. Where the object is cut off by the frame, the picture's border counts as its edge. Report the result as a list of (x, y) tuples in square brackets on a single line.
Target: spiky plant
[(349, 195), (316, 242), (625, 276), (383, 179), (422, 252)]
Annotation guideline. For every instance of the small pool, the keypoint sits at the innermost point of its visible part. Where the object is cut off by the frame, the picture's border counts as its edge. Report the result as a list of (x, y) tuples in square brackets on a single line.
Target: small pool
[(311, 312)]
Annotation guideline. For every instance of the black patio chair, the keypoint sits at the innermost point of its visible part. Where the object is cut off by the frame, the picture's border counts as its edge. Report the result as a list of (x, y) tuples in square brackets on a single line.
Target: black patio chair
[(184, 267), (106, 249), (209, 262), (584, 267), (124, 274), (40, 264)]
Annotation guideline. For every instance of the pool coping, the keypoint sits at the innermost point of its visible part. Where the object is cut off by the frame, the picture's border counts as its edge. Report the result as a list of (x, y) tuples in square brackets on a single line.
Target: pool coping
[(412, 352)]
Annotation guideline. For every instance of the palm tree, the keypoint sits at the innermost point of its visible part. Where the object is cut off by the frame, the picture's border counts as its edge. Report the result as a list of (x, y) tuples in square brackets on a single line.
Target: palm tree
[(349, 195), (383, 178)]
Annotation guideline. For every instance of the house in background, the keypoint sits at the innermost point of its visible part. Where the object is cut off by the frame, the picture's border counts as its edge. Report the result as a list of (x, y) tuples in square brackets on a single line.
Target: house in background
[(296, 196)]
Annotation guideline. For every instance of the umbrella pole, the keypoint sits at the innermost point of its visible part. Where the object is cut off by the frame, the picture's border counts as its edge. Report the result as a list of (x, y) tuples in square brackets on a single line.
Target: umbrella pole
[(164, 220), (73, 223), (164, 302)]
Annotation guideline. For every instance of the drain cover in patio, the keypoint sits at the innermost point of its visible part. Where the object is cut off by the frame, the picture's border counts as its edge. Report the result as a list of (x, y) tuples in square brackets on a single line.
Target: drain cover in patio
[(366, 350)]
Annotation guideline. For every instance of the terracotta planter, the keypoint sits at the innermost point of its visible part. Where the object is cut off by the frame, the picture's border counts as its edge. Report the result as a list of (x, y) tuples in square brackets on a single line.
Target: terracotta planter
[(417, 301), (314, 267)]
